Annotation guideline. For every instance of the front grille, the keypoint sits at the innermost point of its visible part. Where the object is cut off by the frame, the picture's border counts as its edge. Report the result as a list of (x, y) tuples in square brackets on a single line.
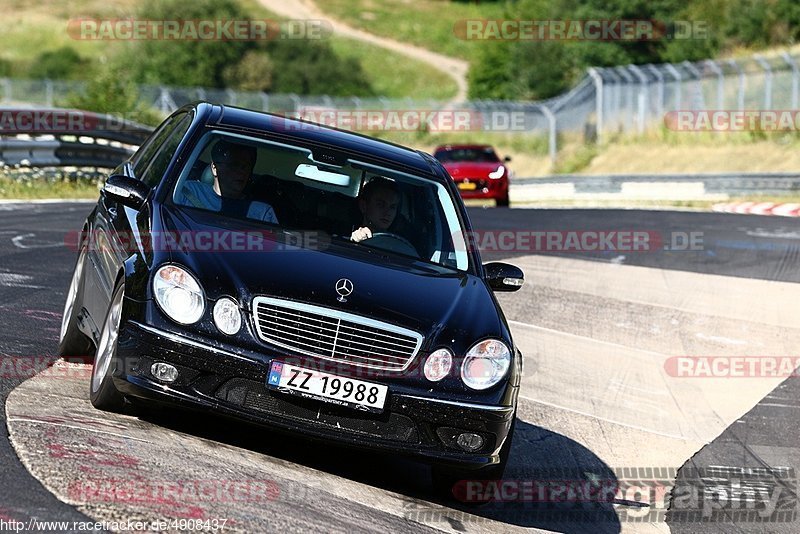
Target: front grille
[(254, 395), (334, 335)]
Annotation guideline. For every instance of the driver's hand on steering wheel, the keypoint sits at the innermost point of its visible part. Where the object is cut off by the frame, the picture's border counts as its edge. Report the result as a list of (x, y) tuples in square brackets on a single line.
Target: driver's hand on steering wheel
[(361, 234)]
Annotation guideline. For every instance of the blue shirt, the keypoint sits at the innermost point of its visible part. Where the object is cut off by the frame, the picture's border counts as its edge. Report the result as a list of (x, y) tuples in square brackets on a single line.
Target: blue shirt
[(202, 195)]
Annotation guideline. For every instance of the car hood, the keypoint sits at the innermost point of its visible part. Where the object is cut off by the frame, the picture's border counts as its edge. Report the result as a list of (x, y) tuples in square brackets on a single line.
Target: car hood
[(471, 169), (434, 302)]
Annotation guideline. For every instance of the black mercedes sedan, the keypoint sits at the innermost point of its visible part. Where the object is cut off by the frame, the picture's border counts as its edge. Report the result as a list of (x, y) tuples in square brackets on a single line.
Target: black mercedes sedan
[(302, 278)]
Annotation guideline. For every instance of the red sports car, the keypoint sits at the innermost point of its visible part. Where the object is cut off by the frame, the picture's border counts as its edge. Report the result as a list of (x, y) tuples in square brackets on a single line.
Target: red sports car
[(477, 171)]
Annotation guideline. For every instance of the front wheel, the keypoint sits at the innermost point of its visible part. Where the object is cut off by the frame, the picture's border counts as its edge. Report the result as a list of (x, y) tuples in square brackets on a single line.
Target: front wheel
[(446, 480), (73, 342), (102, 392), (502, 202)]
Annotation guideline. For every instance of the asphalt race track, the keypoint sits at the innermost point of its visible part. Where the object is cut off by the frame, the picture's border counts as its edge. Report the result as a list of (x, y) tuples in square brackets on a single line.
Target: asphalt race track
[(600, 402)]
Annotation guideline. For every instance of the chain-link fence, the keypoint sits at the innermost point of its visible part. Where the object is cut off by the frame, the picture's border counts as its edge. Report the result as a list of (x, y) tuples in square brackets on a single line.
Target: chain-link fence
[(625, 99)]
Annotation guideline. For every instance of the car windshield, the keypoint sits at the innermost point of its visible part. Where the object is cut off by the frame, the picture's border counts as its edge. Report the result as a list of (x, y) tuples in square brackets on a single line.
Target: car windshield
[(477, 155), (294, 189)]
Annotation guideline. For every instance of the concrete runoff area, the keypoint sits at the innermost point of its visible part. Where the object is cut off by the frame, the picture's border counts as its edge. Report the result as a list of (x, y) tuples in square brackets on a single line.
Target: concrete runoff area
[(598, 396)]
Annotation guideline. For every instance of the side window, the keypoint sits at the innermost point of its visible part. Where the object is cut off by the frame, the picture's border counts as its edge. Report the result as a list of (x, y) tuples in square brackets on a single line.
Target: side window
[(145, 154), (153, 174)]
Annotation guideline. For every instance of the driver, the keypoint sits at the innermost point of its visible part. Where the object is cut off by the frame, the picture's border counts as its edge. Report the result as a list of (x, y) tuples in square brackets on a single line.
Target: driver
[(232, 167), (378, 202)]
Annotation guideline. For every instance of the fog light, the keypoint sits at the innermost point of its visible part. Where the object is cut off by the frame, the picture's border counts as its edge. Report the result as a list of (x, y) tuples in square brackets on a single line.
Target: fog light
[(227, 316), (438, 365), (164, 372), (470, 442)]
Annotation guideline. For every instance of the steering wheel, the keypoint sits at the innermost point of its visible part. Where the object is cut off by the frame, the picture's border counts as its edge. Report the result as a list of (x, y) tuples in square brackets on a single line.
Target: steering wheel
[(392, 242)]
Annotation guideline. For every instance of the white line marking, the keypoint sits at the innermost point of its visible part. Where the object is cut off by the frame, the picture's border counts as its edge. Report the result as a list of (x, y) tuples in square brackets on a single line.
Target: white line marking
[(720, 339), (626, 425), (593, 340), (17, 280), (74, 427), (18, 242)]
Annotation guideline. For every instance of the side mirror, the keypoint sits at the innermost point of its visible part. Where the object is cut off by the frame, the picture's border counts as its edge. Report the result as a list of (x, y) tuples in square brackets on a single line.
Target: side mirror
[(503, 277), (126, 190), (507, 159)]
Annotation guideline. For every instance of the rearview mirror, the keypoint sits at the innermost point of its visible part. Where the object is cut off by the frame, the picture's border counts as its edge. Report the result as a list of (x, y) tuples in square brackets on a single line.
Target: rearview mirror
[(507, 159), (312, 172), (503, 277), (126, 190)]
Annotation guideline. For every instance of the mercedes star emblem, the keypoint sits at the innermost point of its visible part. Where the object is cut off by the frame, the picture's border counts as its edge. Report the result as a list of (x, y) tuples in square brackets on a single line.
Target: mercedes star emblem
[(344, 287)]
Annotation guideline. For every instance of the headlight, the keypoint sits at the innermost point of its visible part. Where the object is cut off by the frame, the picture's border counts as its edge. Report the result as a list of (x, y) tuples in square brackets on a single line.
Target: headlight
[(227, 316), (498, 172), (487, 362), (178, 294), (438, 365)]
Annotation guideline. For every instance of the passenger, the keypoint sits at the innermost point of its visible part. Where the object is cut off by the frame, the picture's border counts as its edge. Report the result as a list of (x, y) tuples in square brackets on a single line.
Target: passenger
[(232, 167), (378, 202)]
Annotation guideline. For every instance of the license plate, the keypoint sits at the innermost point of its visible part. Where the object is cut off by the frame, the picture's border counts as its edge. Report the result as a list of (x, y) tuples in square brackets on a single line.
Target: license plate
[(326, 387), (467, 186)]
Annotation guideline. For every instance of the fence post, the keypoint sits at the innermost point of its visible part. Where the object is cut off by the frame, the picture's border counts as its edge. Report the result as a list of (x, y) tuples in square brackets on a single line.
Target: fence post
[(6, 89), (264, 101), (628, 95), (165, 103), (678, 78), (599, 100), (48, 92), (231, 94), (742, 80), (790, 60), (720, 82), (659, 90), (642, 97), (296, 102), (767, 80), (697, 84), (551, 118)]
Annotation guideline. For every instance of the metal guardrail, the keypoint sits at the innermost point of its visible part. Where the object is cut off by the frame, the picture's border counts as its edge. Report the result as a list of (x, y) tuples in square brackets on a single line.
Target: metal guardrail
[(667, 186), (66, 138)]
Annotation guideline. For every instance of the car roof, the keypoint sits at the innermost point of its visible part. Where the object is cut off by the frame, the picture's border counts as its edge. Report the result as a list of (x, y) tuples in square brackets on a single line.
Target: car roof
[(261, 122)]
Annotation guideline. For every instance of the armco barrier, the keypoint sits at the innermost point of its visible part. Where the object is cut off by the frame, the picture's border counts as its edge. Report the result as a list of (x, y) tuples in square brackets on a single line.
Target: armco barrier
[(680, 186), (61, 138)]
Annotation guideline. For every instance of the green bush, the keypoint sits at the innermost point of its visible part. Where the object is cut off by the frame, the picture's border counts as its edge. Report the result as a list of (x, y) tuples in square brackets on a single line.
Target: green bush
[(526, 69), (112, 92), (62, 63), (293, 66)]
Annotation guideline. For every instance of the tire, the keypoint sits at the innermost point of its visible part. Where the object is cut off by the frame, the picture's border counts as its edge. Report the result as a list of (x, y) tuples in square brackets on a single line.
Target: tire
[(72, 342), (502, 202), (444, 478), (102, 392)]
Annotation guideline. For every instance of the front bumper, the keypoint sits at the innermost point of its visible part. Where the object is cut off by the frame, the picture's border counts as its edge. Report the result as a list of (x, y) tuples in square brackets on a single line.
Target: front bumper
[(483, 188), (220, 380)]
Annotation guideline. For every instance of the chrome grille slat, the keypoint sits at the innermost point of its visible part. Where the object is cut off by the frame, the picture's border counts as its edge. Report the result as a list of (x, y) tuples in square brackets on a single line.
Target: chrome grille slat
[(276, 311), (274, 318), (367, 337), (315, 332), (283, 338), (334, 335)]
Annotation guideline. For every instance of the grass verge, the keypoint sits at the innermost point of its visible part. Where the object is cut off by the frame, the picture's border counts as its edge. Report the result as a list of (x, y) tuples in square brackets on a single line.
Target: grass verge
[(425, 23), (41, 185)]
